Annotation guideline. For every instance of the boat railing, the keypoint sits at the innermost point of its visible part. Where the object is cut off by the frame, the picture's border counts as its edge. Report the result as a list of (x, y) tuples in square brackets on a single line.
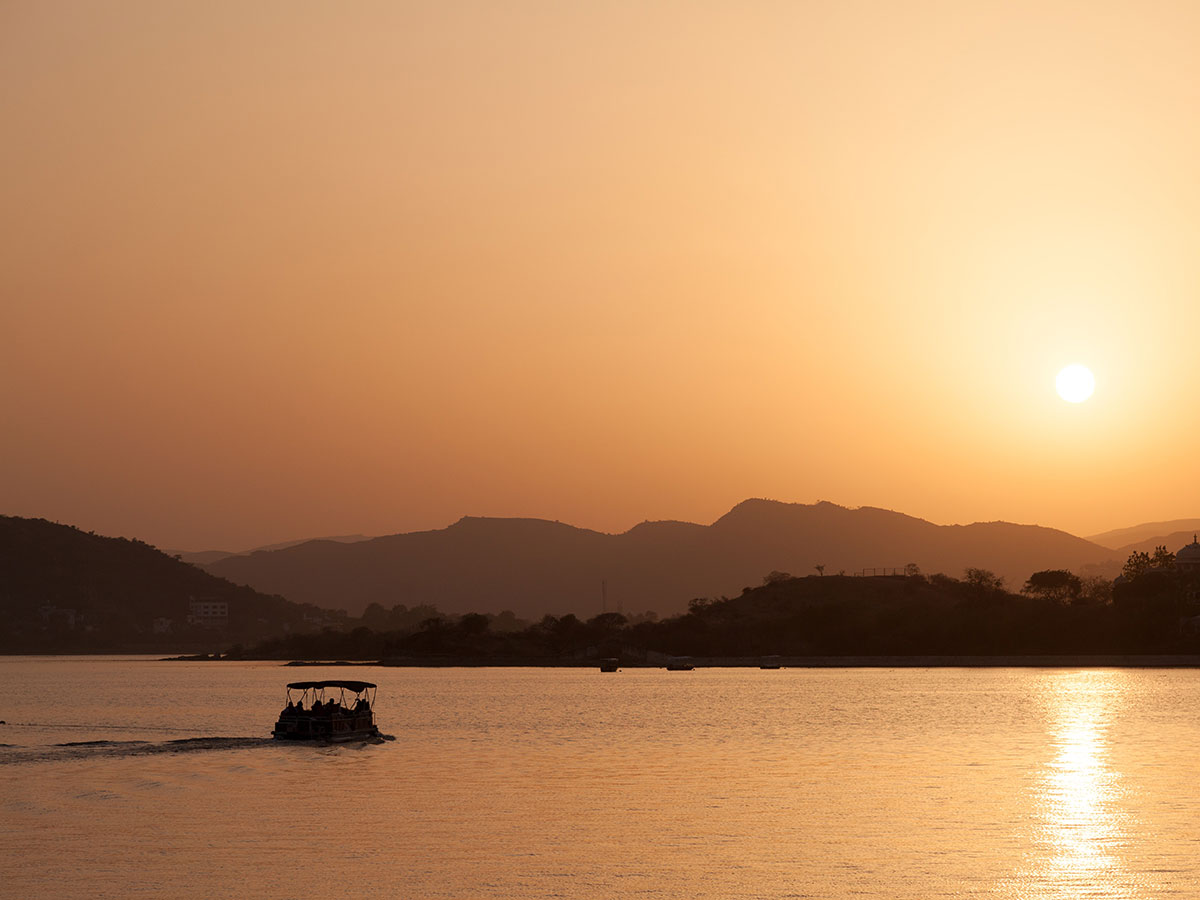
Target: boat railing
[(351, 697)]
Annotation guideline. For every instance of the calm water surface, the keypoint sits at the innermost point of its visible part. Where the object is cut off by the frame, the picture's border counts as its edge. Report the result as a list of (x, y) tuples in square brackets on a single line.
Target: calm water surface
[(540, 783)]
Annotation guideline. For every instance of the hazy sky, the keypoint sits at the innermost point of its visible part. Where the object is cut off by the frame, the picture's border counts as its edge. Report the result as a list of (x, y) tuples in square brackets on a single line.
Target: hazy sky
[(277, 269)]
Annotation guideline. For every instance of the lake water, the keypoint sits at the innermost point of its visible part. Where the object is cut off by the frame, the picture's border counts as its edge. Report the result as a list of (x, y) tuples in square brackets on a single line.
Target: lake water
[(569, 783)]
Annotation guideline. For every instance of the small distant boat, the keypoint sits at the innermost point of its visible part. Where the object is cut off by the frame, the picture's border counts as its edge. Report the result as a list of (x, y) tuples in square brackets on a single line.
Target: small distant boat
[(609, 664), (328, 711), (770, 662), (680, 664)]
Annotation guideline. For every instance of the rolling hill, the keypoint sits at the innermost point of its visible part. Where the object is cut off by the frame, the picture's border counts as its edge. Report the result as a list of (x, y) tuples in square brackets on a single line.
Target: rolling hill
[(1172, 542), (204, 557), (67, 590), (533, 566), (1147, 535)]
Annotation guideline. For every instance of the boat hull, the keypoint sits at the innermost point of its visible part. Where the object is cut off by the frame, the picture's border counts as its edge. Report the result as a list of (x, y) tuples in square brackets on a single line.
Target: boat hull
[(340, 738), (322, 729)]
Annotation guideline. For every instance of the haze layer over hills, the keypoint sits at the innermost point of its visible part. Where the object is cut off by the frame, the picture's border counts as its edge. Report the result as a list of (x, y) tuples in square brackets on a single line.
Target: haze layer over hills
[(204, 557), (533, 566), (1148, 535)]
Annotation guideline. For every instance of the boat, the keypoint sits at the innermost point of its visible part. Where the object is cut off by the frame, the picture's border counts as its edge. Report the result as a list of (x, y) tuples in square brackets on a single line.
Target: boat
[(609, 664), (680, 664), (328, 711)]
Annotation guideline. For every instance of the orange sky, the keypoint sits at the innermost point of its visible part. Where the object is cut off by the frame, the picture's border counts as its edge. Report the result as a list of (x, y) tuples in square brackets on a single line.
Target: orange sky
[(272, 270)]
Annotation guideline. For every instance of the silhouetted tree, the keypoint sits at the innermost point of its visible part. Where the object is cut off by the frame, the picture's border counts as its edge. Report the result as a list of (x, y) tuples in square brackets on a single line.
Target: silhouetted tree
[(1163, 558), (375, 616), (506, 620), (567, 624), (1139, 561), (775, 576), (1054, 584), (984, 580), (608, 621), (1095, 591), (473, 623)]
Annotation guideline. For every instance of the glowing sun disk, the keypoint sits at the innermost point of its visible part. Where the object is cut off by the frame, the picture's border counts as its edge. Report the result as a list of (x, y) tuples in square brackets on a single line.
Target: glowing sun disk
[(1075, 383)]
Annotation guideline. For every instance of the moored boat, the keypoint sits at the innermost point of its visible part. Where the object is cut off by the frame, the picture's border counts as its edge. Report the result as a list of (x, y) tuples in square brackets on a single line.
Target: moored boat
[(328, 711)]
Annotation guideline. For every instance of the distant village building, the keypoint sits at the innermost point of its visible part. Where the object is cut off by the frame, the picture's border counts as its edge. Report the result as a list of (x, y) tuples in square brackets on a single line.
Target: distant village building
[(1187, 560), (208, 613)]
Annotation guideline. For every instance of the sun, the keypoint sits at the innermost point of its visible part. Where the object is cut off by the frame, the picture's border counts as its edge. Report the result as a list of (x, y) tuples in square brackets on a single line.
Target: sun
[(1075, 383)]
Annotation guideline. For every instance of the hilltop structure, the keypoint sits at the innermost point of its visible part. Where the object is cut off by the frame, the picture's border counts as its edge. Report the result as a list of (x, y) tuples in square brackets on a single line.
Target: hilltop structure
[(1187, 559)]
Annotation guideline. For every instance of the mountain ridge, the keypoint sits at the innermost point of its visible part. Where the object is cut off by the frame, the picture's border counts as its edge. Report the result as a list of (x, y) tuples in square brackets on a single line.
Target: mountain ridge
[(538, 566), (1151, 533), (203, 557)]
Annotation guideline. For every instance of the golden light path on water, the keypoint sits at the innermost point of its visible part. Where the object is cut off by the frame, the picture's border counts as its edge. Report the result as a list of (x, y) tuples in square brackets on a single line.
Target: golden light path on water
[(1082, 825)]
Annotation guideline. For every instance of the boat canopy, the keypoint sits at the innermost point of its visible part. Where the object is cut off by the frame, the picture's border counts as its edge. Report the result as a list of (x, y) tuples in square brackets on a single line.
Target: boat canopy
[(356, 686)]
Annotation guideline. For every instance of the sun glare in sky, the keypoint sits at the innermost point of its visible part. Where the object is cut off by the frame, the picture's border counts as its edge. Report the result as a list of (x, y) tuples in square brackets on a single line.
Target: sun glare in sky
[(276, 270), (1075, 383)]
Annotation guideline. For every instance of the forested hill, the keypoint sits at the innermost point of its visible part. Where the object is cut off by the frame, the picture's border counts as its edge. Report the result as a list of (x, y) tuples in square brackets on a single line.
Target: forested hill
[(62, 589), (533, 567), (832, 616)]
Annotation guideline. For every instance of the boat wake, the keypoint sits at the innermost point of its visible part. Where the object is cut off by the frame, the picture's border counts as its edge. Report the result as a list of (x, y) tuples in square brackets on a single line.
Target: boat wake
[(11, 754)]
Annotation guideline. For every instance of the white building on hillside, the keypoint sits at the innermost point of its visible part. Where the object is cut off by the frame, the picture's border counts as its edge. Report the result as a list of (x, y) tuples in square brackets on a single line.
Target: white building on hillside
[(208, 613)]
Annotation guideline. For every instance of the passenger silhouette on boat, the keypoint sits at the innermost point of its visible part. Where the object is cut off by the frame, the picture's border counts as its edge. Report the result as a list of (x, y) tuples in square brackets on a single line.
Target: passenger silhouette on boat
[(346, 716)]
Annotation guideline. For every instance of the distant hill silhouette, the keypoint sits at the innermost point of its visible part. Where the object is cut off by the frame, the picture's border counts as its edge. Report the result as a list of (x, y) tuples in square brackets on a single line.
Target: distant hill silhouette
[(533, 567), (1148, 535), (1173, 542), (204, 557), (69, 590)]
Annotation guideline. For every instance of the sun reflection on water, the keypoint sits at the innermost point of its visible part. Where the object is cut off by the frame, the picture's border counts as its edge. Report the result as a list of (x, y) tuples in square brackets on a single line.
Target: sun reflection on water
[(1080, 822), (1080, 790)]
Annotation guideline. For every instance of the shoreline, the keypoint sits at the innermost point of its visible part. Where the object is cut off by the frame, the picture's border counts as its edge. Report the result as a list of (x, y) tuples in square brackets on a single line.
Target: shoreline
[(1048, 661)]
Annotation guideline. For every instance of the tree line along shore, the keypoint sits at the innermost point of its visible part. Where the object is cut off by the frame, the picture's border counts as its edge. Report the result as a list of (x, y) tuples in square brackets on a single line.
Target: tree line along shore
[(1153, 609)]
